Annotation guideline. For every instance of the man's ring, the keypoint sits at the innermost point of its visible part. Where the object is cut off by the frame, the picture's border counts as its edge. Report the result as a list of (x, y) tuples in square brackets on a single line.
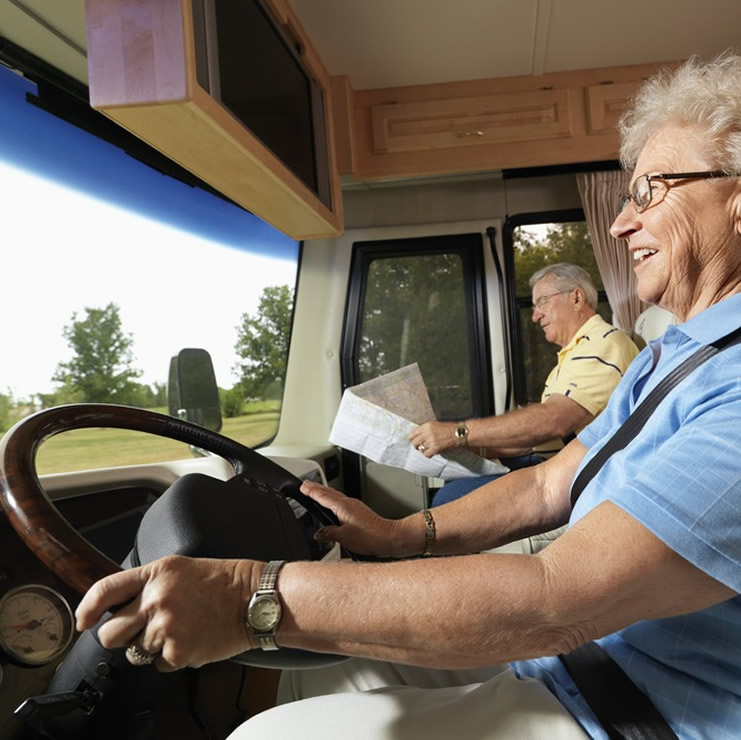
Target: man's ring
[(421, 448), (136, 656)]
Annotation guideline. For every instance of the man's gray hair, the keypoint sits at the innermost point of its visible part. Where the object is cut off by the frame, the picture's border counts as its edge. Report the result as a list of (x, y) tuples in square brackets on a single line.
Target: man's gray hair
[(706, 94), (568, 277)]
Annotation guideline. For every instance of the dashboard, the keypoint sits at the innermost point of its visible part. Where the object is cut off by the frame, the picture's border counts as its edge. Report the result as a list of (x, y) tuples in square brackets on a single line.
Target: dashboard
[(106, 506)]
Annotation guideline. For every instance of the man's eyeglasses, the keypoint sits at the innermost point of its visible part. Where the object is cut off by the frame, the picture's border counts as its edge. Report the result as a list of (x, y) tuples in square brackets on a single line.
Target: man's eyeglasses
[(643, 191), (540, 302)]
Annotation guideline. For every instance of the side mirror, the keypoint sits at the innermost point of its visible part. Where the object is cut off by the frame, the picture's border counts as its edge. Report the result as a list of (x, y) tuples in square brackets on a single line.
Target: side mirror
[(192, 393)]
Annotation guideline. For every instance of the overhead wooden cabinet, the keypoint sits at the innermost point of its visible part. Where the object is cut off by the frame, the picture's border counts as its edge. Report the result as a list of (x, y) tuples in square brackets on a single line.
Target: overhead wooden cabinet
[(469, 121), (142, 74), (484, 125)]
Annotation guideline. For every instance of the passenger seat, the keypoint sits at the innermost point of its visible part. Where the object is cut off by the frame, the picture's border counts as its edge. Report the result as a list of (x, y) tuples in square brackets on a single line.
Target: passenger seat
[(652, 323)]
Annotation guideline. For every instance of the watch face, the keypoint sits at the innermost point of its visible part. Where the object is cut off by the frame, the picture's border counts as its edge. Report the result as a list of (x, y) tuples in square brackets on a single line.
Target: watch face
[(264, 613)]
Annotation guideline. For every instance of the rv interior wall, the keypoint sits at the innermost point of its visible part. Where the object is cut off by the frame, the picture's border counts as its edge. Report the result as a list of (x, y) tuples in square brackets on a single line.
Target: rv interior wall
[(458, 200)]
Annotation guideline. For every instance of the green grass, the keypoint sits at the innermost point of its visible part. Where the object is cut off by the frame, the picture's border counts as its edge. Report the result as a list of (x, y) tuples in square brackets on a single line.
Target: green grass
[(82, 449)]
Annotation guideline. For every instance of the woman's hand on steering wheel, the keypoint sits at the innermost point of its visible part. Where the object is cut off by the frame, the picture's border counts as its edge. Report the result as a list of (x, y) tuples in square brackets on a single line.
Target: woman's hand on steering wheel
[(185, 612), (361, 530)]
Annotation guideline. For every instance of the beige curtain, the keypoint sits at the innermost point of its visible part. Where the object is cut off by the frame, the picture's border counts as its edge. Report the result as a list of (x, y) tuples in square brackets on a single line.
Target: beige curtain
[(599, 193)]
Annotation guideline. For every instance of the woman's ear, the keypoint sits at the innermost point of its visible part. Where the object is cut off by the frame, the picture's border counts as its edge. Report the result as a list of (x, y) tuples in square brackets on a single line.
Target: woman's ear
[(736, 209)]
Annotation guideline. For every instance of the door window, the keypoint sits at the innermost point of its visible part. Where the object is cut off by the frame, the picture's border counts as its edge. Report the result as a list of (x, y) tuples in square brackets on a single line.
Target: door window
[(422, 300)]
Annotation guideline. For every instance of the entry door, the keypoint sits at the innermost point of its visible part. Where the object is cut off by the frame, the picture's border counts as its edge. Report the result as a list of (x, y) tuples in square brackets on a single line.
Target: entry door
[(419, 299)]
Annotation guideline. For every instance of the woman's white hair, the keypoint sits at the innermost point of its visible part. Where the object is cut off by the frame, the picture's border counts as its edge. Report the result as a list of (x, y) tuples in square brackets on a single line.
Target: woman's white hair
[(700, 93)]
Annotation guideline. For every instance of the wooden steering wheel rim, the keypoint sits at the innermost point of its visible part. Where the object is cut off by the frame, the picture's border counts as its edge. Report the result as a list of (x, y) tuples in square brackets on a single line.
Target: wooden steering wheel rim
[(32, 514)]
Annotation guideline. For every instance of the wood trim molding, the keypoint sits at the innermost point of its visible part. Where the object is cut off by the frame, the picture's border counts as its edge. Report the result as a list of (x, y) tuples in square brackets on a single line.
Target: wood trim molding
[(342, 115)]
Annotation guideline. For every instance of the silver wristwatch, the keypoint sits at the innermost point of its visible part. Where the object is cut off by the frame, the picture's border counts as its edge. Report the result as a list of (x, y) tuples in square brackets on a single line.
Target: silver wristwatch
[(264, 610)]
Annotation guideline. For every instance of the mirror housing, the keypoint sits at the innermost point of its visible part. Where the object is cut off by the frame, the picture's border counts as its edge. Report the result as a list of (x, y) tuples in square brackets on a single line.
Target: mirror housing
[(192, 393)]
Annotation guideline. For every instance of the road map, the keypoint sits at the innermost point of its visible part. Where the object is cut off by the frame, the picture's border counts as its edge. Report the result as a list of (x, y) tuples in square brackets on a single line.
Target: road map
[(375, 418)]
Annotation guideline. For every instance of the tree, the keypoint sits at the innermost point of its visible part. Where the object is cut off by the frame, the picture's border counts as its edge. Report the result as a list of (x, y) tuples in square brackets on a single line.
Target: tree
[(6, 405), (415, 311), (262, 344), (566, 242), (101, 370), (148, 396), (232, 402)]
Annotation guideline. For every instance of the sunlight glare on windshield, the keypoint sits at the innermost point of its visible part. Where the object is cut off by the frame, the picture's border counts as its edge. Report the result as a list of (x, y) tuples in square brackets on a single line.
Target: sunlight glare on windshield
[(66, 251)]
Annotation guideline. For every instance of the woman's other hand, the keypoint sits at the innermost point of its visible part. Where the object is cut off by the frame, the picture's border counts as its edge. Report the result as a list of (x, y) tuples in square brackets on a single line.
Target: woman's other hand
[(361, 530)]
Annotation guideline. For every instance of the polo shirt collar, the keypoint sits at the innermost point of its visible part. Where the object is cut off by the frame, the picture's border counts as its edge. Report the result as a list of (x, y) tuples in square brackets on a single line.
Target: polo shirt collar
[(585, 328), (714, 322)]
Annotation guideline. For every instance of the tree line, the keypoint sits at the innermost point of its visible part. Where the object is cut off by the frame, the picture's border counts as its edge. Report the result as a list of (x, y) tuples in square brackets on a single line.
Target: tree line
[(102, 367)]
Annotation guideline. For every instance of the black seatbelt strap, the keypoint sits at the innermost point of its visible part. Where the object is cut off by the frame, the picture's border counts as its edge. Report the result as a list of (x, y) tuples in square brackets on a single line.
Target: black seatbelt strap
[(624, 711)]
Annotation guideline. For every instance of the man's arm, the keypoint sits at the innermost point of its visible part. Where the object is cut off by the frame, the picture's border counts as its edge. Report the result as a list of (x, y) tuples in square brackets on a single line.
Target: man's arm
[(515, 432)]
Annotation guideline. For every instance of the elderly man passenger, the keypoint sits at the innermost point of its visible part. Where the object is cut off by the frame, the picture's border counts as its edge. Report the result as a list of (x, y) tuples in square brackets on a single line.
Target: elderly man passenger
[(593, 358), (650, 566)]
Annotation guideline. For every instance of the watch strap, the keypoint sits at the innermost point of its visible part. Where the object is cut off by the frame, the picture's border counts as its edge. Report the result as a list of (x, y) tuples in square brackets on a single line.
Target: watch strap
[(269, 576), (267, 587), (266, 641)]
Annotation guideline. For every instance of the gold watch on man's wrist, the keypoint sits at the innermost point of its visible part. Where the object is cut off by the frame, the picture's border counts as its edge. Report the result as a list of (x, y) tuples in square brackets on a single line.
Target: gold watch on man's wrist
[(264, 610), (461, 434)]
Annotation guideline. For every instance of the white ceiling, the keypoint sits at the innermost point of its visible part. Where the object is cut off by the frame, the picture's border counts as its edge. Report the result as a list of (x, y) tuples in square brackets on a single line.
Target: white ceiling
[(388, 43), (51, 29)]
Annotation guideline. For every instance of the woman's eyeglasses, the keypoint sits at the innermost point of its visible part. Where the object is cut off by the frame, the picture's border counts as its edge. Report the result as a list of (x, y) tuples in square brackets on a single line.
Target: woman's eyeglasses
[(643, 191)]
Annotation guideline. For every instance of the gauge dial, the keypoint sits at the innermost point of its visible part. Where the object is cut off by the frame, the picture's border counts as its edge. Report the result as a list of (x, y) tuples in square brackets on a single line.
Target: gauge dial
[(36, 624)]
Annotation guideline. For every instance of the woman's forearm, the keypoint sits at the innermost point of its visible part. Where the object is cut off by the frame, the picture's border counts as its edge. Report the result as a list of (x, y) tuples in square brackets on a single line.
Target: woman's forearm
[(408, 612), (520, 504)]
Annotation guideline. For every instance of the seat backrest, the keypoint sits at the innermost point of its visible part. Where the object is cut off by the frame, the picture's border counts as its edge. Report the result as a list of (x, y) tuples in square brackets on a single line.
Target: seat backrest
[(652, 323)]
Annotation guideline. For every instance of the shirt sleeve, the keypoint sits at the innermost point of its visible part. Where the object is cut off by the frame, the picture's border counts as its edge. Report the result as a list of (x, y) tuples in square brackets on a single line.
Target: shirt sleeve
[(685, 488), (592, 369)]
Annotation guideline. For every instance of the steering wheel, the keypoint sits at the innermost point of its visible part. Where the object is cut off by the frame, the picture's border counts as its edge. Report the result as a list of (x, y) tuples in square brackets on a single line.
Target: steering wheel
[(69, 555)]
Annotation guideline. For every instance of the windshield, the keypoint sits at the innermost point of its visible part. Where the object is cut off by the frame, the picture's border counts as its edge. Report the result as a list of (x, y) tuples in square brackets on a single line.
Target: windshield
[(110, 268)]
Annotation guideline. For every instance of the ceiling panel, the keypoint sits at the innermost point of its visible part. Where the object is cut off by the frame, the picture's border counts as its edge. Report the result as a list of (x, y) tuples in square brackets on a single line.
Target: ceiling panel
[(385, 43), (51, 29), (389, 43), (598, 33)]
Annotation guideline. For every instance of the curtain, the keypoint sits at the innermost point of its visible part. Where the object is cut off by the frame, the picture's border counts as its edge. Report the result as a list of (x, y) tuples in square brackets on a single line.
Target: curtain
[(599, 193)]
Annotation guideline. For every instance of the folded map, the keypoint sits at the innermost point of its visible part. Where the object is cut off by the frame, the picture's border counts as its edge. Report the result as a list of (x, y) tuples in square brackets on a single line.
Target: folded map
[(375, 418)]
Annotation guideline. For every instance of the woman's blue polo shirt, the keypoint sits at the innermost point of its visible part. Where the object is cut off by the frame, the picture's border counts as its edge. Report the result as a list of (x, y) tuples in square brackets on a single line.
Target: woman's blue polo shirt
[(681, 478)]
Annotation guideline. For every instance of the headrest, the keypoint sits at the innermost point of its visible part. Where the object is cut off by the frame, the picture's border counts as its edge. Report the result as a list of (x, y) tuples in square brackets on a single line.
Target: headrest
[(652, 323)]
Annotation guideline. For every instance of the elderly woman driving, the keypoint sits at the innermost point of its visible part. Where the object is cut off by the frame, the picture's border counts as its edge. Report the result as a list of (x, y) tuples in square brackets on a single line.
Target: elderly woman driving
[(646, 576)]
